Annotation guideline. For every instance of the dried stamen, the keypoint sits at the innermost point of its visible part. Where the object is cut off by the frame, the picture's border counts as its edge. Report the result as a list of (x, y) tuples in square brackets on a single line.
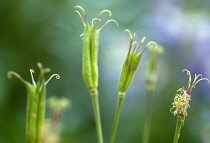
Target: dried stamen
[(181, 103)]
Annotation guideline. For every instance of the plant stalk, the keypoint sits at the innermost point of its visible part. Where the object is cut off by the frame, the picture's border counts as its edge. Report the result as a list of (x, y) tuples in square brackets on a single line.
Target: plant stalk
[(117, 116), (95, 103), (147, 123), (178, 128)]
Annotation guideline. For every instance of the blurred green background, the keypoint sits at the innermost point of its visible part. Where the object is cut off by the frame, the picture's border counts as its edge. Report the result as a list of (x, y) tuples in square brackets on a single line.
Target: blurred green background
[(49, 31)]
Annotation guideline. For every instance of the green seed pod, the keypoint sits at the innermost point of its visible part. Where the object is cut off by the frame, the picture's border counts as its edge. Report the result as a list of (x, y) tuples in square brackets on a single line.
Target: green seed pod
[(94, 56), (131, 63), (90, 48), (31, 113), (36, 102), (151, 74)]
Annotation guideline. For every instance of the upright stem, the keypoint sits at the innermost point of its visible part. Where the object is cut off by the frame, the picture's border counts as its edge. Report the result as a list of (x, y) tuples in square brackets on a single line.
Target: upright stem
[(94, 96), (178, 128), (147, 124), (117, 116)]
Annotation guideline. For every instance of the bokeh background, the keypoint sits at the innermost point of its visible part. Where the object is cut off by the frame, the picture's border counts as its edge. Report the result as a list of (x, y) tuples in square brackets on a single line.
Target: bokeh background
[(49, 31)]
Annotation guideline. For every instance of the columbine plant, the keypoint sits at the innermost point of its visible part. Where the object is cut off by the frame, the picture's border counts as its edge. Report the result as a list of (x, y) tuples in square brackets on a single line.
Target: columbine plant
[(90, 61), (36, 102), (181, 102), (151, 78), (128, 70)]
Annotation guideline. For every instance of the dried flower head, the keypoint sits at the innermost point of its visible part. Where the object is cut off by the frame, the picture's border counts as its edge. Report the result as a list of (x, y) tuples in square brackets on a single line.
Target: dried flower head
[(181, 101)]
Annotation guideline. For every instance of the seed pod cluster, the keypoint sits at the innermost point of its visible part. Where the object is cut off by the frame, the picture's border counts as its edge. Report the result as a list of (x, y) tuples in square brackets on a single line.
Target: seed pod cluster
[(36, 103), (131, 62), (90, 48)]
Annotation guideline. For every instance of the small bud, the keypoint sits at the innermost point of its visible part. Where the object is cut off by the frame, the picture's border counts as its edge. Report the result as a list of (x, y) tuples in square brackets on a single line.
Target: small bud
[(90, 48), (131, 62)]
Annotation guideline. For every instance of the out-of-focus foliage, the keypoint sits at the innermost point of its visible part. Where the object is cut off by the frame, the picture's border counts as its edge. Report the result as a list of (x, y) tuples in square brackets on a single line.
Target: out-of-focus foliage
[(49, 32)]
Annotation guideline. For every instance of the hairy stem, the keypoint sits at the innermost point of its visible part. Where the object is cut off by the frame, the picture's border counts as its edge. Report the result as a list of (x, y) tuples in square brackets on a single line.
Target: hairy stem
[(117, 116), (95, 102)]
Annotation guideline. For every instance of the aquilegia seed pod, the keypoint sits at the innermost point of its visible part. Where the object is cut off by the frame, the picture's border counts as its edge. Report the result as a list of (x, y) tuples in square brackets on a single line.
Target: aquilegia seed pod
[(151, 74), (90, 48), (131, 62), (36, 102)]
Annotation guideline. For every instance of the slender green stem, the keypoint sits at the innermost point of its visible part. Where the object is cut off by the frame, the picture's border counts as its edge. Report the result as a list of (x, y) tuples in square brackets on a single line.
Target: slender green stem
[(94, 96), (147, 124), (117, 116), (178, 128)]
